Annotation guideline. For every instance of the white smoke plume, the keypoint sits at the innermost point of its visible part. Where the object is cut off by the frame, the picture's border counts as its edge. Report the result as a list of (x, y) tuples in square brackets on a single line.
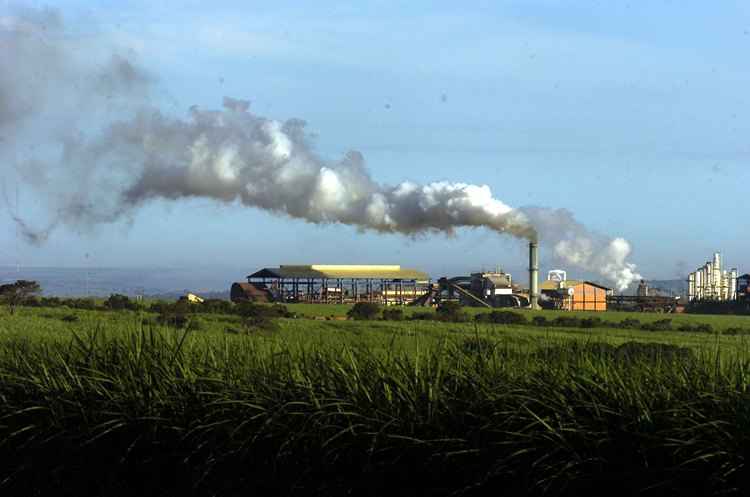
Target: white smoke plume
[(93, 173)]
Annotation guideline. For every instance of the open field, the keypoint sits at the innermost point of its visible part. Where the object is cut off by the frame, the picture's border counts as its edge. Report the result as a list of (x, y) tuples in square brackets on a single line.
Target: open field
[(97, 403)]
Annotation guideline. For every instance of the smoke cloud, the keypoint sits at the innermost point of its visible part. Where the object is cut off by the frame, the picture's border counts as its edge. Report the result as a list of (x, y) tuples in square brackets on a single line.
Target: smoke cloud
[(101, 165)]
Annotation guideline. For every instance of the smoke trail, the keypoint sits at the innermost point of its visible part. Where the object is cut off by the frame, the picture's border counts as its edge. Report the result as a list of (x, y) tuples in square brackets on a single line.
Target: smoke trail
[(229, 155)]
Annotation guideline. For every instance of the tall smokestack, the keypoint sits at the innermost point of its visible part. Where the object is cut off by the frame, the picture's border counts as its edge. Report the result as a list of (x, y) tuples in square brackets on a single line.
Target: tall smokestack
[(533, 275)]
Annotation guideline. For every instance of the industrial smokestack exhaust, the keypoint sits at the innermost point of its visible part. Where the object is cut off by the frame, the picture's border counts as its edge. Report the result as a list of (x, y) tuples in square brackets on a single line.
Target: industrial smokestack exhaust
[(533, 275)]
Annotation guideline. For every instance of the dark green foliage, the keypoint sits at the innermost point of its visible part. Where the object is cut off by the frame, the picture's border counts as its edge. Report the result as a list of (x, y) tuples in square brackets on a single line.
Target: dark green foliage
[(80, 303), (364, 311), (720, 307), (567, 321), (592, 322), (735, 330), (216, 306), (540, 321), (451, 312), (19, 293), (422, 316), (195, 324), (660, 325), (575, 350), (251, 310), (157, 414), (501, 317), (176, 315), (696, 328), (629, 324), (118, 302), (50, 302), (260, 323), (160, 306), (173, 318), (393, 314), (69, 318)]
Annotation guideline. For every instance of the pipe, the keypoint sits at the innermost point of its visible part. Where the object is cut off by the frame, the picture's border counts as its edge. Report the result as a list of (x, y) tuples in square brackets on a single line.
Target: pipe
[(533, 275), (717, 276)]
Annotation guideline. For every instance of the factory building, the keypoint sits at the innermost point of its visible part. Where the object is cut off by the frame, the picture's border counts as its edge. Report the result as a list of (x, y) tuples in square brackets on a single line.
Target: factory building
[(743, 288), (712, 283), (558, 292), (321, 283)]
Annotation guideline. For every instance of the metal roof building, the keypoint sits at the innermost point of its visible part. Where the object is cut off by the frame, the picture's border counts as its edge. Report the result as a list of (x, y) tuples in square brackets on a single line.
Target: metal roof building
[(386, 284), (576, 295)]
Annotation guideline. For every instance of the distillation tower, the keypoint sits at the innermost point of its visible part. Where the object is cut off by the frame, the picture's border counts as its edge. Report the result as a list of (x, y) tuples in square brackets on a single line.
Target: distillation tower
[(711, 282)]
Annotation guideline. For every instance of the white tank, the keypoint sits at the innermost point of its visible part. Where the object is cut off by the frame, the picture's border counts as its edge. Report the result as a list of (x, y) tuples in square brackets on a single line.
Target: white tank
[(691, 286), (717, 276)]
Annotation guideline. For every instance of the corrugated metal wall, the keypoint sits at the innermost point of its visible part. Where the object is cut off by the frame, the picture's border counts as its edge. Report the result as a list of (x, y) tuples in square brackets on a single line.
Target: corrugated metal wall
[(588, 297)]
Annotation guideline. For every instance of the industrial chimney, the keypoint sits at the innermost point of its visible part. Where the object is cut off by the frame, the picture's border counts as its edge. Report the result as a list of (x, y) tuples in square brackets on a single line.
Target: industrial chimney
[(533, 275)]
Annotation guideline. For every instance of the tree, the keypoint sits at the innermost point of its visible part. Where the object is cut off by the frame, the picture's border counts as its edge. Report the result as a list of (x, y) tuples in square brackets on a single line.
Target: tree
[(364, 311), (117, 302), (15, 294)]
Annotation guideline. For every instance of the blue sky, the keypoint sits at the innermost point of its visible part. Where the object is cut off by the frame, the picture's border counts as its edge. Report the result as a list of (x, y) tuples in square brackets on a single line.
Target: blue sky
[(633, 115)]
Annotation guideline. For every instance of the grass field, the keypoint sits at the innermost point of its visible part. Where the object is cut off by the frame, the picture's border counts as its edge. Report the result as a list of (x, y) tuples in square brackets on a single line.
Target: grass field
[(97, 403)]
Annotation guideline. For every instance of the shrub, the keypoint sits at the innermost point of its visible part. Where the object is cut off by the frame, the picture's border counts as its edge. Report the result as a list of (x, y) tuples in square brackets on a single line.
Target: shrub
[(660, 325), (216, 306), (451, 312), (118, 302), (540, 321), (50, 302), (393, 314), (567, 321), (364, 311), (250, 309), (592, 322), (736, 331), (32, 302), (574, 350), (502, 317), (629, 324), (175, 314), (423, 316), (696, 328), (84, 304), (159, 307)]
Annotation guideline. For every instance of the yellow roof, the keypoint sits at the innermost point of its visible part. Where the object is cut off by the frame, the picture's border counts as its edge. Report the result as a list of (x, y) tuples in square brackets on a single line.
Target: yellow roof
[(554, 285), (345, 271)]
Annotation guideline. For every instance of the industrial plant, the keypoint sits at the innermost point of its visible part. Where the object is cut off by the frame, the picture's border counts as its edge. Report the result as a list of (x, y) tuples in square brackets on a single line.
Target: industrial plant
[(712, 283), (321, 283), (394, 285)]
